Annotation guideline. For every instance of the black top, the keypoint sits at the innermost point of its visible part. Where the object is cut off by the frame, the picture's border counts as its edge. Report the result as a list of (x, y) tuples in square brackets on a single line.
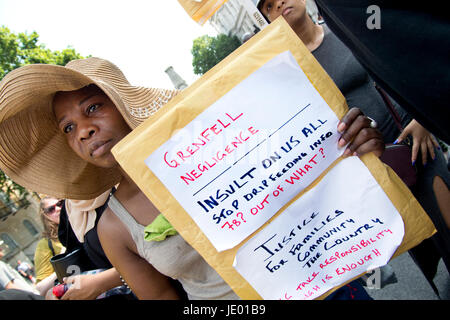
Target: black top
[(408, 55), (91, 244), (356, 85)]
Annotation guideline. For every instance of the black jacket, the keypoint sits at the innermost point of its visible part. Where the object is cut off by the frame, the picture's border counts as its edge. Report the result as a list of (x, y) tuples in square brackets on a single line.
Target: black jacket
[(409, 56)]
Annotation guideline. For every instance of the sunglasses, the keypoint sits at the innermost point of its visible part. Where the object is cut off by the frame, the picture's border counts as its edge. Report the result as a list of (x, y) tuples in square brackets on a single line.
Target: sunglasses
[(52, 208)]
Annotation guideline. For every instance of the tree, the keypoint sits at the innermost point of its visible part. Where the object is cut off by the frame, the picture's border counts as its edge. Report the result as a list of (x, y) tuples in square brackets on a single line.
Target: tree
[(208, 51), (17, 50), (20, 49)]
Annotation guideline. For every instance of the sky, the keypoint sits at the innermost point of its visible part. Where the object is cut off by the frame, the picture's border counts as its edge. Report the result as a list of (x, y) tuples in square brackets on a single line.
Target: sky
[(142, 37)]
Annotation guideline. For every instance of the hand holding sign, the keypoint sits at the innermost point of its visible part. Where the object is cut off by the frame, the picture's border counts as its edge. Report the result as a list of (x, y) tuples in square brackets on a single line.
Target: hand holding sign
[(358, 130)]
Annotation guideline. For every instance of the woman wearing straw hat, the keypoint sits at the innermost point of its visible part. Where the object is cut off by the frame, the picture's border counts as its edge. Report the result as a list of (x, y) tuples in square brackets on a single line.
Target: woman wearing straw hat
[(57, 128)]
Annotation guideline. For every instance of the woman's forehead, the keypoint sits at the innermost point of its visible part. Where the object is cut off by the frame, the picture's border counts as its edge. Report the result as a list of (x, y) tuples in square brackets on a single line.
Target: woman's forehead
[(87, 90), (64, 100)]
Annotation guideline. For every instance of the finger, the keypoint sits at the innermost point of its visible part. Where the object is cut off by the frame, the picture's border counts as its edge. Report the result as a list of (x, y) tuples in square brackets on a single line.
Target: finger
[(347, 119), (424, 149), (71, 293), (414, 151), (374, 145), (436, 144), (430, 146), (69, 280), (364, 136), (353, 129), (402, 136), (67, 295)]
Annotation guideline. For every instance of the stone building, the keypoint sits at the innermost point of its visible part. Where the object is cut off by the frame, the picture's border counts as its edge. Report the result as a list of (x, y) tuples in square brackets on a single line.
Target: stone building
[(238, 18), (20, 229)]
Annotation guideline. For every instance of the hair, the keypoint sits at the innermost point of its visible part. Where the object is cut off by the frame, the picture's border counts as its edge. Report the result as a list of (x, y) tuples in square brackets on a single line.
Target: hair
[(260, 4), (50, 227)]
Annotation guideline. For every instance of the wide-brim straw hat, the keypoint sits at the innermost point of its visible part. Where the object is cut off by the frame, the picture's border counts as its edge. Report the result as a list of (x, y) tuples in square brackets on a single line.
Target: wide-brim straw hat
[(33, 150)]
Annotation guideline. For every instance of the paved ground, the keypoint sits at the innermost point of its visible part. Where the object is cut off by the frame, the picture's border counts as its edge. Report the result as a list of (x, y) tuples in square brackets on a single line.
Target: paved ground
[(412, 284)]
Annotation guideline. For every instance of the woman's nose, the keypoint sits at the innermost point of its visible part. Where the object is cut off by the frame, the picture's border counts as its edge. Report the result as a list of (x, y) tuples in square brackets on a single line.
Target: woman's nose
[(85, 131)]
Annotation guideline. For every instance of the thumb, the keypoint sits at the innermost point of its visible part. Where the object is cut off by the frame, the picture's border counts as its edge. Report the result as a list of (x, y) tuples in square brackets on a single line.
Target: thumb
[(69, 280)]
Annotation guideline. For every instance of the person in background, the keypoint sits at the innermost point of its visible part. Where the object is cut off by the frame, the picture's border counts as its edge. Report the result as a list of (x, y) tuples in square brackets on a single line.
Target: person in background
[(49, 245), (26, 270), (11, 279)]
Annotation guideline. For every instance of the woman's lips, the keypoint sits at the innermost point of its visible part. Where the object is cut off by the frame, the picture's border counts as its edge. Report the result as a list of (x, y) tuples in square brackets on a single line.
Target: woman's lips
[(100, 148), (286, 11)]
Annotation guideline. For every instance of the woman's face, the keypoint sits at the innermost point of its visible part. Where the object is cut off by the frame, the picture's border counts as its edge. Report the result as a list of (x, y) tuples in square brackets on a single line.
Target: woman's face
[(291, 10), (52, 208), (91, 124)]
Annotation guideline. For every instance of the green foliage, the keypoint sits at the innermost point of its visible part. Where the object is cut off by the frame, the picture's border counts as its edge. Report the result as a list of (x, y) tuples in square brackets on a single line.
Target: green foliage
[(10, 190), (208, 51), (17, 50), (20, 49)]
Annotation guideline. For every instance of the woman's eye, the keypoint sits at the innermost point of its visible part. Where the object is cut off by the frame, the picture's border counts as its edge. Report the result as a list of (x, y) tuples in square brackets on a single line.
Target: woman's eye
[(92, 108), (68, 128)]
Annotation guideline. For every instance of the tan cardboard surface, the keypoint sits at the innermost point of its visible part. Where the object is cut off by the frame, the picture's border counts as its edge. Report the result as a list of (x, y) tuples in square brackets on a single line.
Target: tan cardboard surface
[(201, 11), (278, 37)]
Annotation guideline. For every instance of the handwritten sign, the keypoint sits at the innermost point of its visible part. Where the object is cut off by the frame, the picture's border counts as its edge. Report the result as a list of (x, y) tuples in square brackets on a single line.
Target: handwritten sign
[(235, 165), (343, 227), (145, 140)]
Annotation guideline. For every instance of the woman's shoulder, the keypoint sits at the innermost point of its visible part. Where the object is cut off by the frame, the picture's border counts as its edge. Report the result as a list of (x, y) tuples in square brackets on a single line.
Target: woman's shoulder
[(114, 236), (111, 228), (109, 223), (42, 244)]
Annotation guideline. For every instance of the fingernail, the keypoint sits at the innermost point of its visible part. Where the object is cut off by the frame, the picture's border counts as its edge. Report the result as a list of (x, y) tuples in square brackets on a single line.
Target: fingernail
[(341, 142), (396, 141), (347, 152), (341, 127), (413, 162)]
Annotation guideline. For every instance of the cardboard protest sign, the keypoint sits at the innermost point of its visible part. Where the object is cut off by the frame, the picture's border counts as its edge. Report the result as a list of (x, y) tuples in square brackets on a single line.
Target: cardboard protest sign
[(184, 161), (334, 239), (201, 10)]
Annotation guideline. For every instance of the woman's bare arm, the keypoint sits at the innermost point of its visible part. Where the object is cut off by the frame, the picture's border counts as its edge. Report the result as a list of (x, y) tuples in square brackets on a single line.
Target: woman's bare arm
[(145, 281)]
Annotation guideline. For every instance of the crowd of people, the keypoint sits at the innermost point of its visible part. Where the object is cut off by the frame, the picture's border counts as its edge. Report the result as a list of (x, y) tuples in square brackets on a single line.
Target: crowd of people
[(76, 114)]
